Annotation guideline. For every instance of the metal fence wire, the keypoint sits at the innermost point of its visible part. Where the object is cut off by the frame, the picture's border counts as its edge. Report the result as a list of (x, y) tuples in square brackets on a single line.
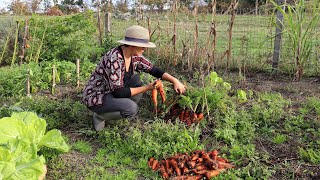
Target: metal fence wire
[(252, 36)]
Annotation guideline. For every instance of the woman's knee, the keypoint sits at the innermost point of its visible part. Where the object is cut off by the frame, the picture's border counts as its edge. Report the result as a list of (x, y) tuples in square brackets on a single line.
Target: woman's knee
[(131, 110)]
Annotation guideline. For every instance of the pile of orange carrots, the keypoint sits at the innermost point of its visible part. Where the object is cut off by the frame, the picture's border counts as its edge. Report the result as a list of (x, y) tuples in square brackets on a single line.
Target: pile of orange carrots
[(154, 94), (185, 116), (197, 165)]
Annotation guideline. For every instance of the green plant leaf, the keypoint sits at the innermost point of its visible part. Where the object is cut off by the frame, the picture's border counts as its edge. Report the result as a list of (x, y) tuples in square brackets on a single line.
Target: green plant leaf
[(19, 138), (53, 139), (35, 127), (31, 170), (242, 95), (6, 169), (10, 129)]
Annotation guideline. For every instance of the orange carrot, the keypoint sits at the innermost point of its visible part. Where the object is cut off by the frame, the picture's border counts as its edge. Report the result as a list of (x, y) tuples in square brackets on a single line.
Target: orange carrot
[(201, 168), (189, 122), (205, 156), (186, 114), (174, 164), (200, 116), (194, 115), (154, 99), (167, 166), (201, 172), (212, 164), (187, 177), (222, 159), (181, 164), (192, 164), (195, 155), (150, 162), (199, 160), (211, 174), (185, 170), (155, 165), (214, 154), (222, 165), (181, 115), (161, 91), (164, 172)]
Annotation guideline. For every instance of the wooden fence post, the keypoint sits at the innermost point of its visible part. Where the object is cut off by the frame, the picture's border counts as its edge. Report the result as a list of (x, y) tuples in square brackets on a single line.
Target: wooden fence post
[(28, 83), (107, 23), (24, 45), (78, 73), (99, 22), (278, 37), (53, 78)]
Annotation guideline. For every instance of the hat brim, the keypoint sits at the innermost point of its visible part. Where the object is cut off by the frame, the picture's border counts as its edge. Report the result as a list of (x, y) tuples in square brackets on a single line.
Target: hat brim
[(147, 45)]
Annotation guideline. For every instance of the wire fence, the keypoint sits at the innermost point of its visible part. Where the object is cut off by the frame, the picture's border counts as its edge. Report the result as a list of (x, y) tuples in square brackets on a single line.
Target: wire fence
[(252, 37)]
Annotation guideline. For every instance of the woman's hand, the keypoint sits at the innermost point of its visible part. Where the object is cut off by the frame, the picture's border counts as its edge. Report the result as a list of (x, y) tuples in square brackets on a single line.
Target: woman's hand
[(142, 89), (152, 85), (179, 87)]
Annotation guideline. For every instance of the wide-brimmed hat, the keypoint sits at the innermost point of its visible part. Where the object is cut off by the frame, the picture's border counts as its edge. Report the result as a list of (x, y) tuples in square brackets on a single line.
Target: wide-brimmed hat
[(137, 36)]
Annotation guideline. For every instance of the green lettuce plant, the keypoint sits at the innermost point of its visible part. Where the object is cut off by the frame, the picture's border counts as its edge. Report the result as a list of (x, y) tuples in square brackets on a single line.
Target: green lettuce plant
[(21, 137)]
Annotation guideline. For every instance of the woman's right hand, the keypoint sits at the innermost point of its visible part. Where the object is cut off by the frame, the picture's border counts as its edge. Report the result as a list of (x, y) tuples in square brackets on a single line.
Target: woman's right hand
[(152, 85)]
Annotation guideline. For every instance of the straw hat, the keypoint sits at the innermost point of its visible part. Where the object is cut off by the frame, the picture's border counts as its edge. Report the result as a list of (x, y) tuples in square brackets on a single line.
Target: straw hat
[(137, 36)]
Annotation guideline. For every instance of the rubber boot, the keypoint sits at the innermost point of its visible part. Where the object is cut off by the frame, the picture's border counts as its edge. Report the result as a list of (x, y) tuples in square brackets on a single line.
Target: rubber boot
[(100, 120)]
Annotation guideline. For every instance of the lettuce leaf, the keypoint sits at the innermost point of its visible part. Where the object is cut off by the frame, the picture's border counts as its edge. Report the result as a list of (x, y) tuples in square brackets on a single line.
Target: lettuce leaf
[(6, 169), (35, 127), (21, 137), (10, 129), (53, 139)]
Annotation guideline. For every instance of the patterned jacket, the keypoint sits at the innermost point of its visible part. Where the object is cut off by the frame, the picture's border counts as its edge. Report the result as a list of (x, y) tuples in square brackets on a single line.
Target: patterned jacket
[(108, 76)]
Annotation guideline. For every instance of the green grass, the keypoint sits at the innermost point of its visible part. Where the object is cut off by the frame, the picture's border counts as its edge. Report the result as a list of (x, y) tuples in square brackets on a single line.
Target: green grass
[(124, 149), (279, 139), (82, 146)]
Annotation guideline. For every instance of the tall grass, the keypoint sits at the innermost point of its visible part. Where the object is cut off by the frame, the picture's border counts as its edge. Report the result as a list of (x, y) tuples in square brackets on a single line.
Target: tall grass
[(300, 29)]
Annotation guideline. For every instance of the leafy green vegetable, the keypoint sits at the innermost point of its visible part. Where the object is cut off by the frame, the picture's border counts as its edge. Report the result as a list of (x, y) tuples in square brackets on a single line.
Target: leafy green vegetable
[(21, 136)]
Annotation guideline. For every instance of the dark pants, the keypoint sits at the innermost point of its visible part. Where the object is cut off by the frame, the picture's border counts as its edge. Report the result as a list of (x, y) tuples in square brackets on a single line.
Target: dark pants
[(128, 107)]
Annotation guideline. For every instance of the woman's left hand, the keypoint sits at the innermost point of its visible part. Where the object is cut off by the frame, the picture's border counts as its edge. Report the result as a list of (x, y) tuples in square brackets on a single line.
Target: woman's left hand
[(179, 87)]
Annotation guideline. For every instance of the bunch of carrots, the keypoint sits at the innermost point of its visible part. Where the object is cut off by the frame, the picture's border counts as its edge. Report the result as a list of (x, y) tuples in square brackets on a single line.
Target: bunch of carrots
[(154, 94), (196, 166), (185, 116)]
